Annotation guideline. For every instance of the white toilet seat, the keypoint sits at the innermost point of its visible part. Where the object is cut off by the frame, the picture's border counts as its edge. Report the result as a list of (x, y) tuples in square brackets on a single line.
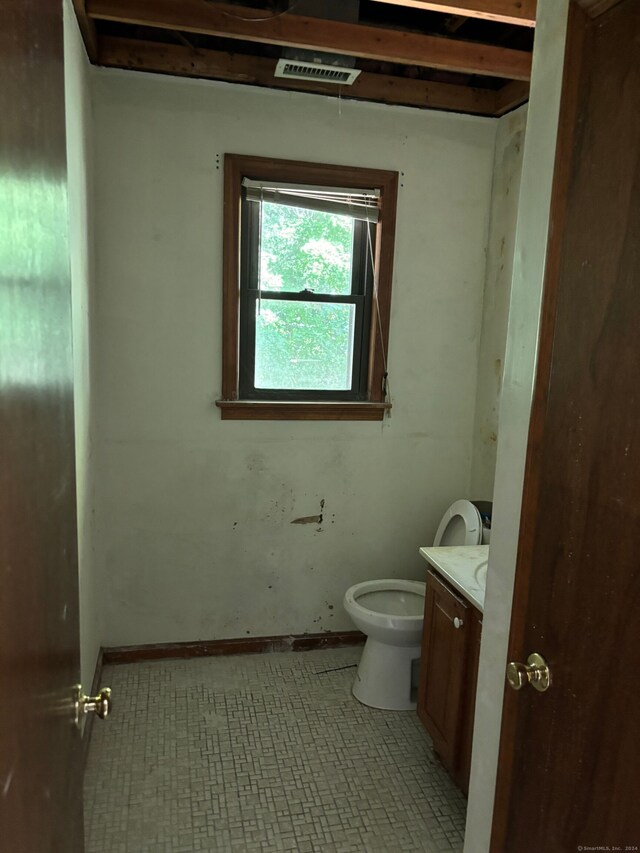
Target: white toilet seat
[(412, 603), (461, 525)]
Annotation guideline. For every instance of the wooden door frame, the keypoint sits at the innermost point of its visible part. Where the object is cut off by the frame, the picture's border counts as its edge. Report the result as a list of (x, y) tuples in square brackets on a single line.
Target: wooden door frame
[(580, 19)]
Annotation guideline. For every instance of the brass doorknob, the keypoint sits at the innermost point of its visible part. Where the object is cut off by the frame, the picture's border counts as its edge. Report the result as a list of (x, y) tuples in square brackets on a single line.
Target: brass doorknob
[(534, 672), (100, 705)]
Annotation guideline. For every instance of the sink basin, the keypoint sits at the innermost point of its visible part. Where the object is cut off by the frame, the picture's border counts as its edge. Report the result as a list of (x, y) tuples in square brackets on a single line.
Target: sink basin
[(480, 573)]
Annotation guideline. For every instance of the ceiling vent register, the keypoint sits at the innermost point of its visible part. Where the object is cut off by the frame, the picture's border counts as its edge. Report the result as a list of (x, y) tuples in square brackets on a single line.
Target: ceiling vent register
[(302, 70)]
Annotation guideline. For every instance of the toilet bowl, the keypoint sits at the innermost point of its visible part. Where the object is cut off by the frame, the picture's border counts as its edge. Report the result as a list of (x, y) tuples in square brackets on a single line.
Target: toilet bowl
[(390, 612)]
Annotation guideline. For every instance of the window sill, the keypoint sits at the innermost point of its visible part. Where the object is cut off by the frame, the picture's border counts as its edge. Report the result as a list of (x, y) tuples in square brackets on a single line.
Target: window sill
[(270, 410)]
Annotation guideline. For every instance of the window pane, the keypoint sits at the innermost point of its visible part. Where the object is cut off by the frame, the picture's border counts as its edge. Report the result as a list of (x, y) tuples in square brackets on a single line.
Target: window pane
[(304, 345), (305, 249)]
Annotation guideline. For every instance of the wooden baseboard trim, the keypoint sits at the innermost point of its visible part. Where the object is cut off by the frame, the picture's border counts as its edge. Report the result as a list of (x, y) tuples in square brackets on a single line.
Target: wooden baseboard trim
[(88, 723), (235, 646)]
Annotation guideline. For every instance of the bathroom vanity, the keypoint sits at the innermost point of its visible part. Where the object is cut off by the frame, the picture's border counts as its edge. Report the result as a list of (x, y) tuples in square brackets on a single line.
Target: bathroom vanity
[(454, 603)]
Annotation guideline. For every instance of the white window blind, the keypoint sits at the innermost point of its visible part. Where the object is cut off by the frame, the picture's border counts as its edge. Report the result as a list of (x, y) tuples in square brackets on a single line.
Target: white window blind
[(356, 203)]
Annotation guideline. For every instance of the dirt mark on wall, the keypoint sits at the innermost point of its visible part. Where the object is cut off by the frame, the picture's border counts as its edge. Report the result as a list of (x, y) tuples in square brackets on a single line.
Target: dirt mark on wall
[(311, 519)]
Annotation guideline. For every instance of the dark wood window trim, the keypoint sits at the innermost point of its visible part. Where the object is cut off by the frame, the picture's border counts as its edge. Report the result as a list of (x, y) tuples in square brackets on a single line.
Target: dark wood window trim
[(237, 167)]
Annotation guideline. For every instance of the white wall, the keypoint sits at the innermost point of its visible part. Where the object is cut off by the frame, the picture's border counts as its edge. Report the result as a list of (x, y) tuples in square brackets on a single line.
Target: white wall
[(507, 167), (79, 169), (195, 535), (515, 408)]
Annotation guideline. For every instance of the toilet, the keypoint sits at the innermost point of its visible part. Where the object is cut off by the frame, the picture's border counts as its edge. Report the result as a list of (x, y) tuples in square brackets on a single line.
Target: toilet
[(390, 612)]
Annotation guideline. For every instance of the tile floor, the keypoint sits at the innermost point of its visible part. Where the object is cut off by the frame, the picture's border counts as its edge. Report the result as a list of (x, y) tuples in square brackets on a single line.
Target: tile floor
[(263, 753)]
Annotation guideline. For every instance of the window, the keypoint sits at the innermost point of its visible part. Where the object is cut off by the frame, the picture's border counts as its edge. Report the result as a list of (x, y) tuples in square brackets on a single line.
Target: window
[(307, 286)]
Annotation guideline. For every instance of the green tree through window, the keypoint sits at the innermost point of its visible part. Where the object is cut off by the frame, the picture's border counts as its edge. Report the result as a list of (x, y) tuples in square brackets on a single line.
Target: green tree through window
[(302, 345), (302, 248)]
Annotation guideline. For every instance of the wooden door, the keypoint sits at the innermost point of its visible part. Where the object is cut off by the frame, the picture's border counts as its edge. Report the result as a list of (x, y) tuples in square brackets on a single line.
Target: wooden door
[(40, 761), (443, 668), (570, 757)]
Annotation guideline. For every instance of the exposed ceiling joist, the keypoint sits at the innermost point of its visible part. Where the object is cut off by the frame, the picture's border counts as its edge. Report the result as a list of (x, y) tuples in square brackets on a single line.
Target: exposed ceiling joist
[(87, 29), (518, 12), (258, 70), (594, 8), (386, 45), (512, 95)]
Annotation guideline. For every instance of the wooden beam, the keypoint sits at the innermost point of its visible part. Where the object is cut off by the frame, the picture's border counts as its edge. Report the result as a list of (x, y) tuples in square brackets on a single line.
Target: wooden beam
[(512, 95), (595, 8), (258, 70), (519, 12), (87, 29), (228, 21)]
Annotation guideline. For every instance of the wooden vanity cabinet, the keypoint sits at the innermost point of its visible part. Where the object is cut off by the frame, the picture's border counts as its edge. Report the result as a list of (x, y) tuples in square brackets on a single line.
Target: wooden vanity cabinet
[(448, 675)]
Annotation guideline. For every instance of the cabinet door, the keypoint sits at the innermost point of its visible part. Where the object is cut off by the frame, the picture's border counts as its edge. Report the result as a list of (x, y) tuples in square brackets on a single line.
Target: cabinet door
[(442, 668), (469, 700)]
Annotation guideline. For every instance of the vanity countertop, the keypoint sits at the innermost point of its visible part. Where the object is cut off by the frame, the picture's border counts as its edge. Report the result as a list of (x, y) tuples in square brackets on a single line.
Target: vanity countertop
[(464, 566)]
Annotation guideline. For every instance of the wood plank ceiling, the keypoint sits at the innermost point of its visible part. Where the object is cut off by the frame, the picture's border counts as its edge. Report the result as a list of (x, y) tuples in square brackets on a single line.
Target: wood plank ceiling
[(470, 56)]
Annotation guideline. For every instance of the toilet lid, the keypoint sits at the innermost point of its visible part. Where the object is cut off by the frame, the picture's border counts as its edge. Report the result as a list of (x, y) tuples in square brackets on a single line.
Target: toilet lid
[(461, 525)]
